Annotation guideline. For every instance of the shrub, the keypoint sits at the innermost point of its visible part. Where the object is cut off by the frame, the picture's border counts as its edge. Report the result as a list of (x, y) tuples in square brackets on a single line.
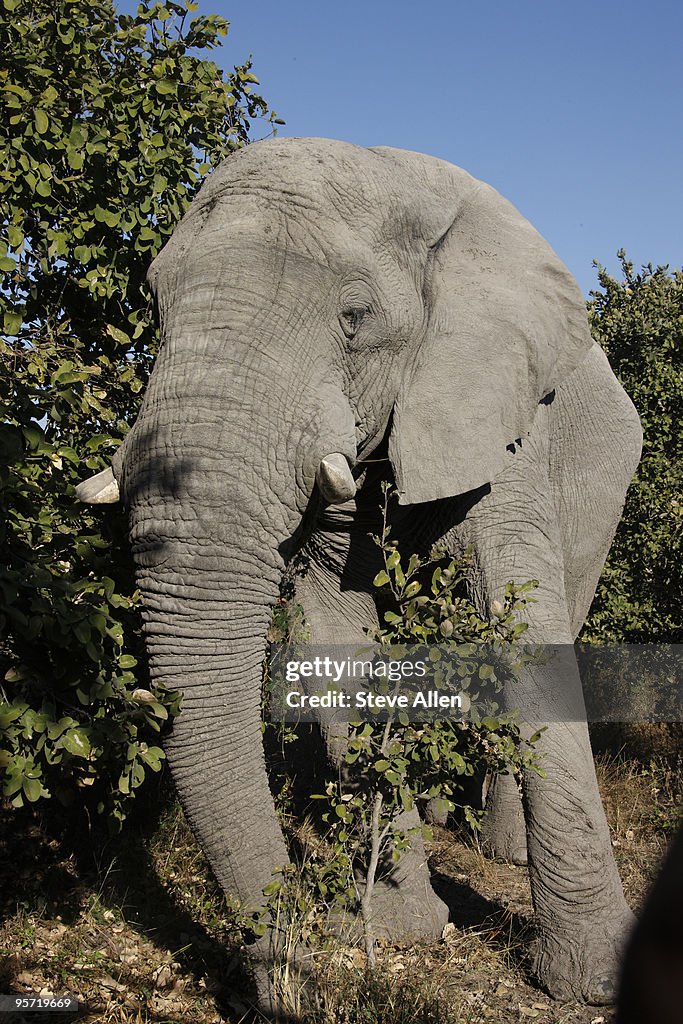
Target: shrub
[(639, 323), (110, 124), (393, 764)]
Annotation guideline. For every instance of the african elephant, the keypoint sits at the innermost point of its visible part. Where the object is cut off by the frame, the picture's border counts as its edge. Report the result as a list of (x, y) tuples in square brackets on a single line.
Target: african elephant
[(331, 315)]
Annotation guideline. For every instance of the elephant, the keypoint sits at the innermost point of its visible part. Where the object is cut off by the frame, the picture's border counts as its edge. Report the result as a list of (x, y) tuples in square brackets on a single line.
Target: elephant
[(332, 316)]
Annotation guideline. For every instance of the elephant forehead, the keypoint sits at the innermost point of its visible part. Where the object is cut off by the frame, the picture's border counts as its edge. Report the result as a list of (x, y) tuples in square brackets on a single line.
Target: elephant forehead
[(245, 230), (374, 189), (324, 199), (291, 175), (305, 165), (259, 247)]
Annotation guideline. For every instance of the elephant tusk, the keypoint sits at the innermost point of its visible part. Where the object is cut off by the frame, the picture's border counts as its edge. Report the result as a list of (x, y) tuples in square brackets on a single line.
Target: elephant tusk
[(334, 479), (101, 489)]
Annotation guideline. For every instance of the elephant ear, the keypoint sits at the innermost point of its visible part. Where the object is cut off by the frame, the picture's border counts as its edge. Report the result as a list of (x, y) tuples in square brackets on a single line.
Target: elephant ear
[(506, 323)]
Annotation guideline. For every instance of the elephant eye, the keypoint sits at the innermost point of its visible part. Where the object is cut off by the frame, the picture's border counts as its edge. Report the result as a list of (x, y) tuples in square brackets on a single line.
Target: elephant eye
[(351, 319)]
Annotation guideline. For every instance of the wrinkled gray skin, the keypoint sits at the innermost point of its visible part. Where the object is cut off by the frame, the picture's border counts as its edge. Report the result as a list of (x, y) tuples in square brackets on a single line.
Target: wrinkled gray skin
[(317, 297)]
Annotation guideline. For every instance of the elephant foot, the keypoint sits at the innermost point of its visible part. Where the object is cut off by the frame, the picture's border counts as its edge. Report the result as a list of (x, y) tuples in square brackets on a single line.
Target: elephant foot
[(399, 916), (405, 908), (508, 845), (583, 965)]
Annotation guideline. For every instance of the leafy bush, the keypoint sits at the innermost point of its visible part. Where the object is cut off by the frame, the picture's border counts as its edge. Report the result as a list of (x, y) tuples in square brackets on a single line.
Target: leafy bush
[(639, 323), (393, 763), (110, 123)]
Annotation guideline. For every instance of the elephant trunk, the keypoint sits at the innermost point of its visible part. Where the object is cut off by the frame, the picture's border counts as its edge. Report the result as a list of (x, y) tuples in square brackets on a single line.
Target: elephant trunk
[(207, 640)]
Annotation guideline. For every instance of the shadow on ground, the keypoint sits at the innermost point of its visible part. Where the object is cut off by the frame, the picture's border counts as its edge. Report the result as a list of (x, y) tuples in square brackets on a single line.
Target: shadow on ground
[(56, 862)]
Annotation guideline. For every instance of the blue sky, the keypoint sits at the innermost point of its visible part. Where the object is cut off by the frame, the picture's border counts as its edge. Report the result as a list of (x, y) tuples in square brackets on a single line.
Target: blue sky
[(572, 110)]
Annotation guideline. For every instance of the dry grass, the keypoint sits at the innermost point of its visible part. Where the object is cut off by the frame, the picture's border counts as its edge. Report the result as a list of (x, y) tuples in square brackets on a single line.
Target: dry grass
[(136, 927), (643, 803)]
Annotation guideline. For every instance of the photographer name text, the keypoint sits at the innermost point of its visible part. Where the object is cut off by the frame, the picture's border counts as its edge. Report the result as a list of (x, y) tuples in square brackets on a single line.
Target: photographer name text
[(367, 700)]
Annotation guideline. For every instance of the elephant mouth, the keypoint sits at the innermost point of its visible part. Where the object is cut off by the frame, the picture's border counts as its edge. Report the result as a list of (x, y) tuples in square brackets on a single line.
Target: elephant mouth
[(374, 451)]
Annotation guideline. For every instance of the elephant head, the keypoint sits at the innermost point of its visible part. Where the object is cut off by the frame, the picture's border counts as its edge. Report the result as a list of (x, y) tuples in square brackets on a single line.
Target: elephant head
[(357, 284), (316, 299)]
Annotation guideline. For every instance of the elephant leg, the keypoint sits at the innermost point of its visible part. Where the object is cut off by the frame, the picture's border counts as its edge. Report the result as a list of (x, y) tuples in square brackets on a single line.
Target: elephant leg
[(588, 478), (337, 614), (503, 827), (581, 914), (405, 906), (336, 595), (436, 812), (582, 917)]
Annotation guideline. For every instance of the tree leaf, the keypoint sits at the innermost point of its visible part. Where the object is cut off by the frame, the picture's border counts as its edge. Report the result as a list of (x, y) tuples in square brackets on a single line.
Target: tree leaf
[(165, 87), (12, 323), (76, 742), (41, 119), (32, 789), (118, 335)]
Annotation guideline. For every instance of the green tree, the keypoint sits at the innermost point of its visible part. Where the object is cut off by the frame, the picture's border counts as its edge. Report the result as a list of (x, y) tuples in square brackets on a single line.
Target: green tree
[(109, 125), (639, 323)]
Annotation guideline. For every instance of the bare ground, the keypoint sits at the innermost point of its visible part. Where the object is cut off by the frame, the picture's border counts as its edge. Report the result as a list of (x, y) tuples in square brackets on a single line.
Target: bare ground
[(136, 928)]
